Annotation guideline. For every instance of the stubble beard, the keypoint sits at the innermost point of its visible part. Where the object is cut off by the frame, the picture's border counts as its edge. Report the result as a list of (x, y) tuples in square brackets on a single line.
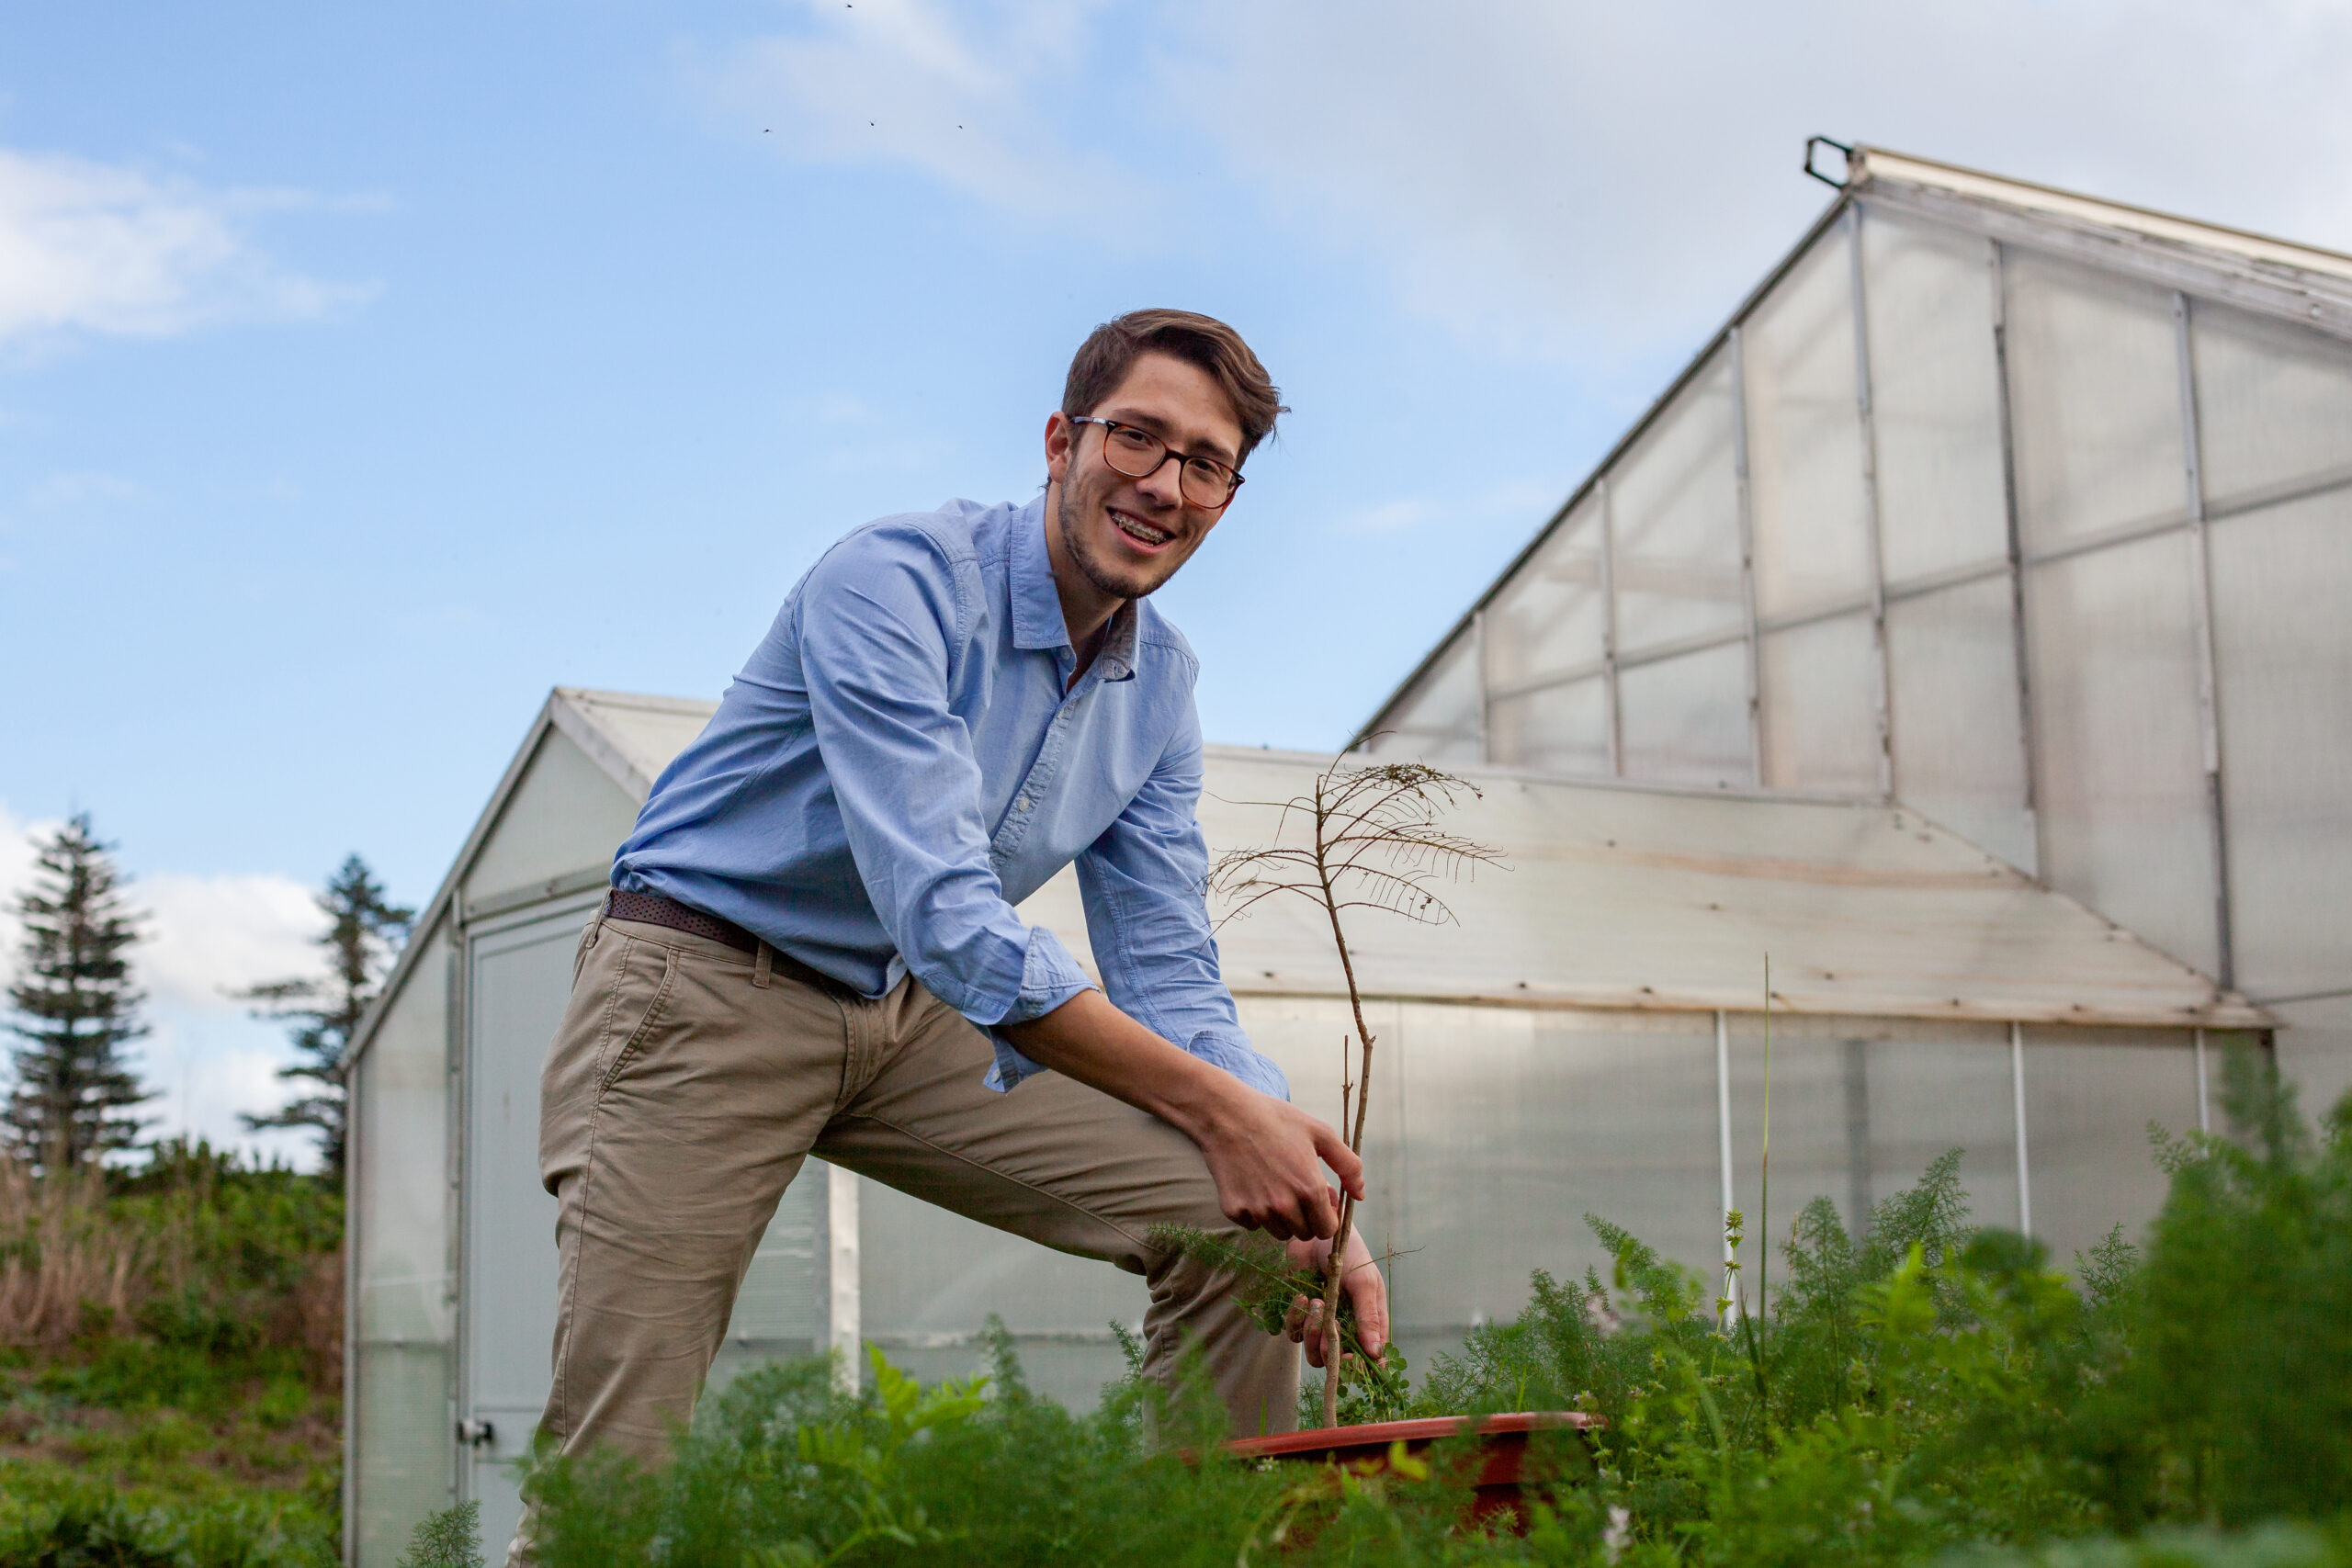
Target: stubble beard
[(1069, 513)]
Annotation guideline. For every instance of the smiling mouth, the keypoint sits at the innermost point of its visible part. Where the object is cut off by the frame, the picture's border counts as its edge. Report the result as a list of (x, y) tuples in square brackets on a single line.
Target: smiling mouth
[(1141, 532)]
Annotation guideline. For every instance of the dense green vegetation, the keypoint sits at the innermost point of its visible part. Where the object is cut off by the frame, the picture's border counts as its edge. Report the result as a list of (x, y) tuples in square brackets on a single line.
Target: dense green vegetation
[(1927, 1392), (170, 1365)]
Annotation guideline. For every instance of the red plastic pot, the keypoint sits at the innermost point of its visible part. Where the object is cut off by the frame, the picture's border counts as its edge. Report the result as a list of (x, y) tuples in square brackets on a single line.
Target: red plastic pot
[(1502, 1449)]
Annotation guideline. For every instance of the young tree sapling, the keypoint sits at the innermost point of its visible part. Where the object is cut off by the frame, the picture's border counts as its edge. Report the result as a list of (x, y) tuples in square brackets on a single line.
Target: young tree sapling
[(1363, 838)]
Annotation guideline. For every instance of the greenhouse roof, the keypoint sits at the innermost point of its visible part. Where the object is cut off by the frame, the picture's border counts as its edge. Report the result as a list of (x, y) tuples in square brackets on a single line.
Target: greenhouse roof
[(1627, 895), (2301, 282), (1634, 897), (2279, 278)]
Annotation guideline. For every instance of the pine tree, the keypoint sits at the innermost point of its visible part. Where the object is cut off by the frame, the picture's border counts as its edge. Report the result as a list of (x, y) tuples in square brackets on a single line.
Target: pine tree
[(365, 932), (76, 1008)]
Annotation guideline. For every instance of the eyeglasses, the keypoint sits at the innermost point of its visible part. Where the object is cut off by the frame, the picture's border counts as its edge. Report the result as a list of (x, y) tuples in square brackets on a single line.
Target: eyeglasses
[(1138, 453)]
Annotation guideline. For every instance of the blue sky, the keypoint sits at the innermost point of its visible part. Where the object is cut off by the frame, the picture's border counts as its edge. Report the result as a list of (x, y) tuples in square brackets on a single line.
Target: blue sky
[(366, 372)]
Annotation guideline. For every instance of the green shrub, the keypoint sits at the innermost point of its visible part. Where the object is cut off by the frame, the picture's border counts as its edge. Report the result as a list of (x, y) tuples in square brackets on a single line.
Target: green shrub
[(51, 1517), (1931, 1392)]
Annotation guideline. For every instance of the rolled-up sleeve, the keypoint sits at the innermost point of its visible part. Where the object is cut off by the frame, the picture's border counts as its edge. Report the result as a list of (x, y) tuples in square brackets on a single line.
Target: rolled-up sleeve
[(881, 624), (1145, 886)]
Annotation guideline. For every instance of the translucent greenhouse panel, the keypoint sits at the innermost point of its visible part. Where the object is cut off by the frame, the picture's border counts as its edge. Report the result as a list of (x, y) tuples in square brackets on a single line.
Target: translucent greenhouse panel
[(1685, 719), (2274, 401), (1549, 617), (2125, 825), (2282, 655), (929, 1279), (1439, 720), (403, 1460), (1309, 1038), (1935, 396), (2314, 1053), (2089, 1096), (1560, 730), (1674, 504), (1860, 1108), (2094, 400), (1959, 738), (1516, 1123), (1804, 437), (782, 1309), (1819, 685)]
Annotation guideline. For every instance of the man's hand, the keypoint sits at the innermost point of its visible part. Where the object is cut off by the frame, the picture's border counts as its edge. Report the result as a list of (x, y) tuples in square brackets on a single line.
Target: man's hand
[(1366, 1291), (1265, 1154)]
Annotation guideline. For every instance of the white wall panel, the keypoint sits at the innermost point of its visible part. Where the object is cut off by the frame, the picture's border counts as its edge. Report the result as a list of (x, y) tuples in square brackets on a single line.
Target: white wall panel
[(2274, 401), (1859, 1107), (2121, 786), (1559, 729), (1804, 447), (1819, 684), (2093, 400), (1935, 396), (2283, 662), (1518, 1124), (2316, 1052), (1439, 720), (1959, 738), (1550, 616), (1674, 505), (1685, 718), (403, 1460), (2090, 1095)]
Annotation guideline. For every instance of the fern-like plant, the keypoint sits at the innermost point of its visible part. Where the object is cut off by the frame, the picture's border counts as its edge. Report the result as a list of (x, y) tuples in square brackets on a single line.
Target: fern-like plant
[(450, 1539)]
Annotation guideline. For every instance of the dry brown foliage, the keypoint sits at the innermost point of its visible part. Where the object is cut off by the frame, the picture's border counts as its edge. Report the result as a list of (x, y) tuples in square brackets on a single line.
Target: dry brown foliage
[(58, 1258)]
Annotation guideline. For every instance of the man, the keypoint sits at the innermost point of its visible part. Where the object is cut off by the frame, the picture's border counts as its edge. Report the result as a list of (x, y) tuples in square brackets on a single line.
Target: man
[(811, 944)]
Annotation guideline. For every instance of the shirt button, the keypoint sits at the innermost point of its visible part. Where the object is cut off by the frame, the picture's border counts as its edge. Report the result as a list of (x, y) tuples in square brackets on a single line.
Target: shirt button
[(1023, 802)]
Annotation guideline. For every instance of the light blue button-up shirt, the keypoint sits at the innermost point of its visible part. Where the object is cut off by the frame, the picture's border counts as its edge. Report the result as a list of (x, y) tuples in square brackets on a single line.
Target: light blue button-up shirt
[(904, 759)]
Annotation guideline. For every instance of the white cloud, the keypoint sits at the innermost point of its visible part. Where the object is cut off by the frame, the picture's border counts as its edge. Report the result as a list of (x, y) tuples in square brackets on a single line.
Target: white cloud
[(207, 1073), (1560, 178), (210, 936), (97, 247), (1556, 177)]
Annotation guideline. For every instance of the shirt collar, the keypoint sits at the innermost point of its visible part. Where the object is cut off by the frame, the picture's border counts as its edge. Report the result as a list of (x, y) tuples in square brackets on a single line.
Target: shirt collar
[(1038, 604)]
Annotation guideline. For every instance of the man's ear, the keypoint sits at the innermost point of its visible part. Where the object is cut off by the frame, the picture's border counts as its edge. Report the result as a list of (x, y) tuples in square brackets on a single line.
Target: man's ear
[(1061, 440)]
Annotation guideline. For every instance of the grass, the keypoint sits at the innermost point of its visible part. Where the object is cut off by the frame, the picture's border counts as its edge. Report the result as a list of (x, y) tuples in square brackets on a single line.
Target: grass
[(170, 1361)]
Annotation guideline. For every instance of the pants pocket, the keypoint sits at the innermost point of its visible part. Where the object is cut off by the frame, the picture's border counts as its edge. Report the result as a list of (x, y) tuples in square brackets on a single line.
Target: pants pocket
[(643, 982)]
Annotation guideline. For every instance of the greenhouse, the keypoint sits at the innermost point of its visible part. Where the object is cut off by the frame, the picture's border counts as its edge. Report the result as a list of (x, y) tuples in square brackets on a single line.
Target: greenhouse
[(2029, 511), (1924, 639)]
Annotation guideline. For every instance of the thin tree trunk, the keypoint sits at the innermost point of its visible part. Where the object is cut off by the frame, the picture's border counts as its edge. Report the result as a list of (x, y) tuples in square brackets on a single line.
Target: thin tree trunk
[(1335, 1267)]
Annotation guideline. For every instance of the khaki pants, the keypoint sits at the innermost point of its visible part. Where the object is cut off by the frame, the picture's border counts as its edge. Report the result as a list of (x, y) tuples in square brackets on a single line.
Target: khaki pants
[(687, 1084)]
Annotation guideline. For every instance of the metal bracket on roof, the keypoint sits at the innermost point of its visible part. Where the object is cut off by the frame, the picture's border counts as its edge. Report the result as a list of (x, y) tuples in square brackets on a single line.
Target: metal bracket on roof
[(1812, 142)]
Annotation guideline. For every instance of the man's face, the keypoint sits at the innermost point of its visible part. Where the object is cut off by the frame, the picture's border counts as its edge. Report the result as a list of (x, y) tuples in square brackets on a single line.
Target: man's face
[(1127, 536)]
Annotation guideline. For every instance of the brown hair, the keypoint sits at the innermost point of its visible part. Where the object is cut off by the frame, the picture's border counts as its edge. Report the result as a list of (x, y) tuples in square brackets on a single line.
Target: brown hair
[(1110, 350)]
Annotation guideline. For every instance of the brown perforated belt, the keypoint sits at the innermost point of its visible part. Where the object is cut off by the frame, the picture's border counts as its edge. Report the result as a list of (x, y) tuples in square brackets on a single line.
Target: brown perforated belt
[(657, 909), (654, 909)]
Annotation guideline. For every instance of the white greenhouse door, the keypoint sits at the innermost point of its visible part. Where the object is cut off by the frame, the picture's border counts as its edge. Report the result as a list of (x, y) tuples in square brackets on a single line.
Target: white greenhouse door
[(519, 978)]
